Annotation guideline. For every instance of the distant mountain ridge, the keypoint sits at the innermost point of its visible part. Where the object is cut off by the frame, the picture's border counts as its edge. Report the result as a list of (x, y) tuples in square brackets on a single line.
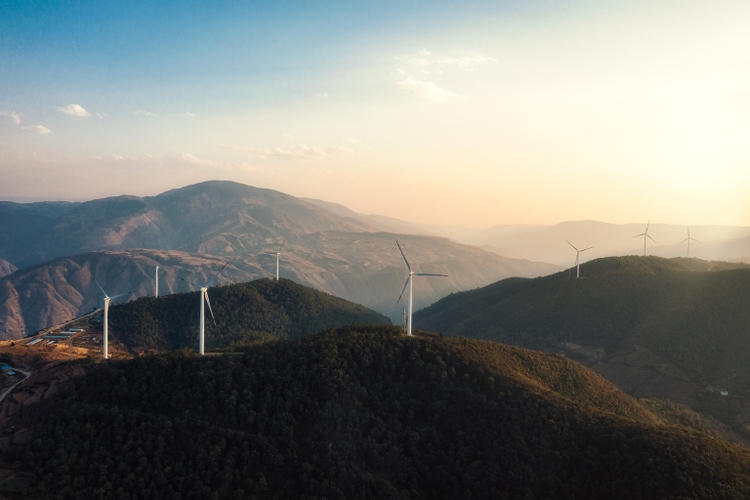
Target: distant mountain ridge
[(222, 222)]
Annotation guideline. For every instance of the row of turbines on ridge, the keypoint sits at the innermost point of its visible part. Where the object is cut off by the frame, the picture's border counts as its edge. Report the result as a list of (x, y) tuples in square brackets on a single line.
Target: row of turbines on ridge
[(409, 283)]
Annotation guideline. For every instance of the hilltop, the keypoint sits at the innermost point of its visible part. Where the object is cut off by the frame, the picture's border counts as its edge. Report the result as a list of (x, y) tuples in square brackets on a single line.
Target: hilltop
[(363, 412), (244, 312), (677, 329)]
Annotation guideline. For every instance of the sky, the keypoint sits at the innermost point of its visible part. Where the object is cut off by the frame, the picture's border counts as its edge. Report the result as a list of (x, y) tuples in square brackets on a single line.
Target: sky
[(483, 113)]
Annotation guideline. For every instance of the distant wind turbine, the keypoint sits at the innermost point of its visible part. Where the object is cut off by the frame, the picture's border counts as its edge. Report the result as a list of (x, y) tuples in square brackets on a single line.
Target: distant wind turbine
[(578, 253), (409, 284), (278, 254), (107, 300), (156, 282), (204, 300), (688, 239), (645, 235)]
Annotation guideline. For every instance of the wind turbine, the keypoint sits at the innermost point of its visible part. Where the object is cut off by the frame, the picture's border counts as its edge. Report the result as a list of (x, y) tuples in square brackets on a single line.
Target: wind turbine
[(688, 239), (278, 253), (578, 253), (107, 300), (156, 282), (204, 300), (409, 284), (645, 235)]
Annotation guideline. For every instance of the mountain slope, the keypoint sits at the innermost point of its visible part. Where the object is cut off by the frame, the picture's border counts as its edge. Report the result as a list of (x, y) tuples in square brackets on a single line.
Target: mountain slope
[(6, 268), (243, 312), (675, 329), (367, 413)]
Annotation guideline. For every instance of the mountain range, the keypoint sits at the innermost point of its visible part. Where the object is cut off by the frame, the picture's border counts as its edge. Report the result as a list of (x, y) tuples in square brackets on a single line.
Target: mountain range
[(55, 245)]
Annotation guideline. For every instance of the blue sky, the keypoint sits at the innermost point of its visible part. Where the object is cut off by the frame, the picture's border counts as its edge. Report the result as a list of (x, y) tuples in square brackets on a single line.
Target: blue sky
[(467, 114)]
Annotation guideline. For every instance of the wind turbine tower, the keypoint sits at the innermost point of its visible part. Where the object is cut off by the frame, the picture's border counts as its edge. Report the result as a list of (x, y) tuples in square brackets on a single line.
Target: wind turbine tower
[(107, 300), (645, 235), (409, 284), (688, 239), (156, 282), (578, 262), (278, 254), (204, 300)]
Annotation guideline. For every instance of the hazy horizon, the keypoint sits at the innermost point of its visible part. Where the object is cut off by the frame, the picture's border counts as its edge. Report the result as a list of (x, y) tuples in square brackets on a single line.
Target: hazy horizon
[(468, 115)]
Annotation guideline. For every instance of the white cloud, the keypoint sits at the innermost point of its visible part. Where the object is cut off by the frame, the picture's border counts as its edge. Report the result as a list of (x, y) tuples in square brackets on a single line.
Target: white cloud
[(37, 129), (117, 157), (73, 110), (428, 90), (100, 116), (188, 114), (301, 152), (16, 117), (143, 112), (425, 52)]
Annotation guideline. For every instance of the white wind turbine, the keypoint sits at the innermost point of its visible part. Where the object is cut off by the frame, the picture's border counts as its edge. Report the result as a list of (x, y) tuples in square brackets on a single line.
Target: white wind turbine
[(688, 239), (156, 282), (409, 284), (204, 300), (278, 254), (578, 262), (645, 235), (107, 300)]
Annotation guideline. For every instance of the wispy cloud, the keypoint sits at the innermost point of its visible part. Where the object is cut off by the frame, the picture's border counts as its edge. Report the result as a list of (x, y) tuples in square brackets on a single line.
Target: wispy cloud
[(73, 110), (428, 91), (14, 116), (188, 114), (37, 129), (301, 152), (143, 112), (425, 59)]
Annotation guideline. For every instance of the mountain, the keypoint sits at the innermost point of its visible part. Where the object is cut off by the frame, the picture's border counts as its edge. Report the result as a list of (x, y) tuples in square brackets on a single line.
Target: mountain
[(210, 217), (243, 312), (359, 413), (49, 294), (548, 243), (6, 268), (677, 329), (240, 224)]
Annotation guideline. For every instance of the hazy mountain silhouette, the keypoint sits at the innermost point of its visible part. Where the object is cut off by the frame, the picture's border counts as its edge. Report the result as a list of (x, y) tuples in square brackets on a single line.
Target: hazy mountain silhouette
[(340, 255)]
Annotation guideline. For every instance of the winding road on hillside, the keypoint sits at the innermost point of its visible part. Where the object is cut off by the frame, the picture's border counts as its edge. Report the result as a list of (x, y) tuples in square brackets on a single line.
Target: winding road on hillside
[(10, 389)]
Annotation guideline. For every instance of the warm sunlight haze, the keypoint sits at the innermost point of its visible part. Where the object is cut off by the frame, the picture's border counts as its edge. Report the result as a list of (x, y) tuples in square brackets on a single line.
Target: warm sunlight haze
[(470, 115)]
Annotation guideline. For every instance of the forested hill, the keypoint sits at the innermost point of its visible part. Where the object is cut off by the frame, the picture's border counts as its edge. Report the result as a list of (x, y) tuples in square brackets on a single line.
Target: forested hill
[(692, 312), (364, 412), (244, 313)]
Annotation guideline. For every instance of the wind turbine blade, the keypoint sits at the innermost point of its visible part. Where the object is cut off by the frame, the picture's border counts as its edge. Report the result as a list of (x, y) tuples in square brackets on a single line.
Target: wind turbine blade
[(589, 248), (429, 274), (208, 303), (216, 275), (569, 243), (402, 291), (186, 281), (648, 224), (637, 235), (121, 295), (100, 288), (649, 237), (683, 241), (404, 256), (282, 245)]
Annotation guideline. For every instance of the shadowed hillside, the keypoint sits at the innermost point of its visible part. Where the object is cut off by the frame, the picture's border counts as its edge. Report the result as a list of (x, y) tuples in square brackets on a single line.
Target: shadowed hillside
[(677, 329), (244, 312), (367, 413)]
